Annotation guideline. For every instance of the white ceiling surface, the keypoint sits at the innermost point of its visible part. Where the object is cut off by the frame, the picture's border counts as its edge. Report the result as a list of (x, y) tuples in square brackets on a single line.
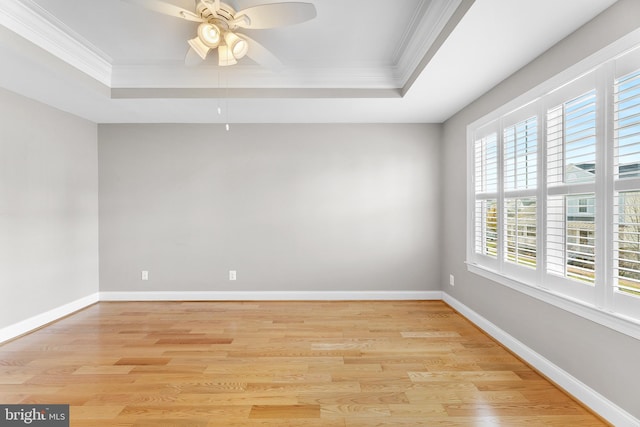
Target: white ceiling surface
[(361, 40)]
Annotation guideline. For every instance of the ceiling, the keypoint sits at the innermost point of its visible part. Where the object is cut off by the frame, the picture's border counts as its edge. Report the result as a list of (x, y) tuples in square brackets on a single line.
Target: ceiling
[(358, 61)]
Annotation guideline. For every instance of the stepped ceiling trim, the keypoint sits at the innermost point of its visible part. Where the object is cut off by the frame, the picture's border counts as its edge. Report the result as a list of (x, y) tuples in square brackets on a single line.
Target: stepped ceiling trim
[(433, 21)]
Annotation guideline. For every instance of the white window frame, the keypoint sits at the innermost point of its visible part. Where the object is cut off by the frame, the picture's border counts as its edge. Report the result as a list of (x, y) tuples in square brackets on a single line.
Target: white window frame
[(599, 303)]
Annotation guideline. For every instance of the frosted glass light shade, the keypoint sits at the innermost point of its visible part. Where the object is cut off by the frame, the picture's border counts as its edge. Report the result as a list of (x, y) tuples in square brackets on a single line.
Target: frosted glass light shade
[(236, 44), (199, 47), (225, 57), (209, 34)]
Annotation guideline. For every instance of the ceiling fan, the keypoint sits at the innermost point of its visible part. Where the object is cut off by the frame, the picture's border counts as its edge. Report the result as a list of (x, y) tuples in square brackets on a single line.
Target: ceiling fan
[(219, 22)]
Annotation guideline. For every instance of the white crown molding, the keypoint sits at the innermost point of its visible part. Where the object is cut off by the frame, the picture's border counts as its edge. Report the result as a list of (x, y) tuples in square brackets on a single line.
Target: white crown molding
[(412, 30), (432, 22), (585, 394), (27, 19), (175, 75), (252, 93)]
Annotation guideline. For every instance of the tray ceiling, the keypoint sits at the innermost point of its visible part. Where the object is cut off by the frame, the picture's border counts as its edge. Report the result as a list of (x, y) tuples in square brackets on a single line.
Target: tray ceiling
[(358, 61)]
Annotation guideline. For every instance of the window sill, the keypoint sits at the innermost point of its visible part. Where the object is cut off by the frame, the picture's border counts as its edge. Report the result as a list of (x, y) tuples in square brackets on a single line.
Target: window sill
[(614, 321)]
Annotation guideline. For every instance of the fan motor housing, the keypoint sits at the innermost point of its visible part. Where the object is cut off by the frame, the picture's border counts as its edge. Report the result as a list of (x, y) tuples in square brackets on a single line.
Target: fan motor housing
[(222, 17)]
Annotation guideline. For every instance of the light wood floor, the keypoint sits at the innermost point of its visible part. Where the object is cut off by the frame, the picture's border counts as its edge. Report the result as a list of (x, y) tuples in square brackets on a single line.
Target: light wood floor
[(408, 363)]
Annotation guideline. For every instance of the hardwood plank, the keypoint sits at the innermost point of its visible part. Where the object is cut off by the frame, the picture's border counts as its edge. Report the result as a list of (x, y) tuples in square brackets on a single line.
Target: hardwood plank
[(305, 387), (431, 334), (362, 398), (463, 376), (199, 412), (45, 399), (172, 422), (189, 340), (285, 411), (417, 411), (102, 370), (509, 409), (235, 399), (123, 399), (85, 412), (355, 411), (143, 361)]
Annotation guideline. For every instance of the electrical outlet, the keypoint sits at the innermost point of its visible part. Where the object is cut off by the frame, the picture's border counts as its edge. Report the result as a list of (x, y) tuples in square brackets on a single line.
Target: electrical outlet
[(145, 275), (452, 280), (232, 275)]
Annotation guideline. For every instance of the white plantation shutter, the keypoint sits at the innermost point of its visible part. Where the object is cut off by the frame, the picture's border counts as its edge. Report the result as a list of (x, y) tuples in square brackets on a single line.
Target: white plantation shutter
[(520, 159), (626, 223), (486, 187), (571, 129)]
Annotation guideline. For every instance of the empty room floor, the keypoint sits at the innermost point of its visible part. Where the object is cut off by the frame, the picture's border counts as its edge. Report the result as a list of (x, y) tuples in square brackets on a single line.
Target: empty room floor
[(347, 363)]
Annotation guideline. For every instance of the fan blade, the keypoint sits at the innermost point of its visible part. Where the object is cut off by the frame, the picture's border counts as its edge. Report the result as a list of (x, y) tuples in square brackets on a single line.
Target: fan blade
[(261, 54), (192, 58), (166, 9), (275, 15)]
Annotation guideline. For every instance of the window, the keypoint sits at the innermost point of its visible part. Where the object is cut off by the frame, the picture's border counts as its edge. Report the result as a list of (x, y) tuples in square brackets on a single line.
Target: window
[(556, 188), (582, 206)]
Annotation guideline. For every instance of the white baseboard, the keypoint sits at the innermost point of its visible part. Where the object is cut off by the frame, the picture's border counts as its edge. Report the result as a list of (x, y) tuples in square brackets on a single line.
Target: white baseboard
[(585, 394), (35, 322), (272, 296)]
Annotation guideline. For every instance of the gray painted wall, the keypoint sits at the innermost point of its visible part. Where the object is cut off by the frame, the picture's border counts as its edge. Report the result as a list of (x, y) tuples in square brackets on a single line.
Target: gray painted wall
[(48, 208), (290, 207), (601, 358)]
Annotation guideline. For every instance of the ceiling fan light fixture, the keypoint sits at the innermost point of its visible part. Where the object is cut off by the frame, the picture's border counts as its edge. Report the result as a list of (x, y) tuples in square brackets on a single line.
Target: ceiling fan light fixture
[(209, 34), (199, 47), (217, 20), (236, 44)]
